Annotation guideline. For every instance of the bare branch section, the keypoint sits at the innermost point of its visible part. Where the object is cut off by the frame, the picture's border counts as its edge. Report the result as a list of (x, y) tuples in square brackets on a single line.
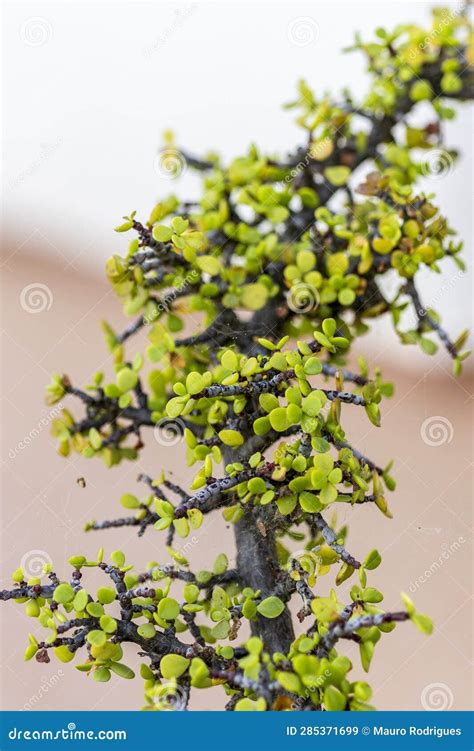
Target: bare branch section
[(331, 539), (425, 319)]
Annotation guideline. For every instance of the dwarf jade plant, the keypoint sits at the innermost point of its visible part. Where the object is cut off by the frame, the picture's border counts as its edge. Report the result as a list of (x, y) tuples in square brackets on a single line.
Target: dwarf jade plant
[(274, 271)]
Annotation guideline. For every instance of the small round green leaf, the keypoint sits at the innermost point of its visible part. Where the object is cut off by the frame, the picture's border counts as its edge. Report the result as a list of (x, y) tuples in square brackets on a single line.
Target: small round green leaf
[(173, 666), (271, 607)]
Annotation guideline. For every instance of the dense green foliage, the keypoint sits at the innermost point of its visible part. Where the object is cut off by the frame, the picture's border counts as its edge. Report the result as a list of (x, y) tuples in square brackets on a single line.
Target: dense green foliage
[(278, 264)]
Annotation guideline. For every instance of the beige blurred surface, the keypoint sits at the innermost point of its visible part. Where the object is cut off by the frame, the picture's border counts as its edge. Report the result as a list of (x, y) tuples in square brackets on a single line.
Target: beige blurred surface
[(44, 509)]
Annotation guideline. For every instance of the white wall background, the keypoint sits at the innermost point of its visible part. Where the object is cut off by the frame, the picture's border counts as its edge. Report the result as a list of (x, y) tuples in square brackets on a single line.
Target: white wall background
[(90, 87)]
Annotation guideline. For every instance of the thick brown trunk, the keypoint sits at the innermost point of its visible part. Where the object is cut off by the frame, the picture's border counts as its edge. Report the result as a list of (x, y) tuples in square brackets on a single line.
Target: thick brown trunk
[(257, 564), (258, 567)]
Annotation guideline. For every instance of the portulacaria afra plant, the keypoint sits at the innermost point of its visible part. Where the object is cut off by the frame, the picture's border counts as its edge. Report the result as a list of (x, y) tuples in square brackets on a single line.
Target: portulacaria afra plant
[(278, 263)]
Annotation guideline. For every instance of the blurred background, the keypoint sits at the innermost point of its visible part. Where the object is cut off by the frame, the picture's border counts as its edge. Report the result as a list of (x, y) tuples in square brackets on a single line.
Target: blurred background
[(88, 92)]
